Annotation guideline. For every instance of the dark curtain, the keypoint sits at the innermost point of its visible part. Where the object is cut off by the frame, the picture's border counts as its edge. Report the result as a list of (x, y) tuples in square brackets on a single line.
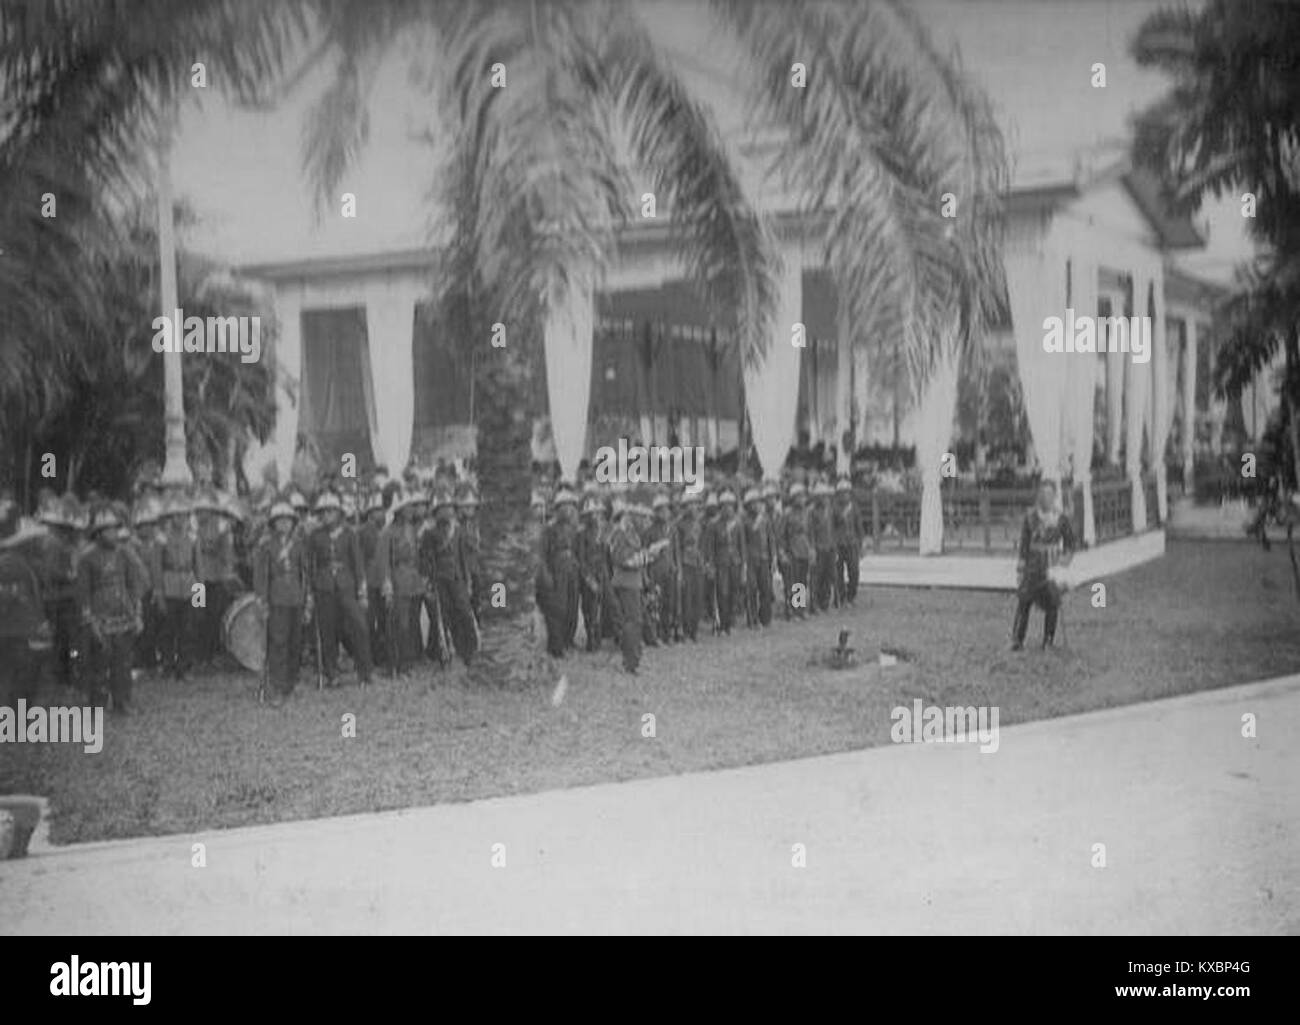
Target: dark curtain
[(333, 412)]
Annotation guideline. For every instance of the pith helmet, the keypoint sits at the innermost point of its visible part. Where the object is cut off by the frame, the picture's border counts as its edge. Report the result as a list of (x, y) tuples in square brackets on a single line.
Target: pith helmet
[(770, 490), (281, 511), (105, 518), (660, 502), (797, 491), (753, 495), (727, 496), (51, 513), (565, 497), (206, 500), (230, 506), (176, 504), (299, 501), (327, 501), (147, 512), (822, 490), (843, 487), (690, 498), (712, 501)]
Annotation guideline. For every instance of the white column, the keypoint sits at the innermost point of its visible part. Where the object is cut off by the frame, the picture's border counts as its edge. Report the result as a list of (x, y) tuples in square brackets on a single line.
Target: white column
[(1114, 394), (390, 330), (772, 386), (934, 432), (1189, 402), (1081, 385), (843, 395), (1137, 396), (1159, 370), (568, 342), (288, 378), (862, 395)]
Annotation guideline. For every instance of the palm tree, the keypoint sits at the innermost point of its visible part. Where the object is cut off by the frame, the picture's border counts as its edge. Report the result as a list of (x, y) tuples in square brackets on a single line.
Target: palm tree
[(537, 185), (94, 86), (537, 179)]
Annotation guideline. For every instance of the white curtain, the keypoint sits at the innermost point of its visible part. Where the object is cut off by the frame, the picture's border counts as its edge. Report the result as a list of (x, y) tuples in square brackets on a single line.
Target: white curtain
[(843, 399), (772, 386), (288, 379), (1137, 398), (390, 327), (1081, 384), (934, 431), (1036, 290), (568, 340), (862, 394), (1160, 404)]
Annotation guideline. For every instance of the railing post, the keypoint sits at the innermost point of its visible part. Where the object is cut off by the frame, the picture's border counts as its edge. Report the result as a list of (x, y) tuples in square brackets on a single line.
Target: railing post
[(875, 521), (985, 515)]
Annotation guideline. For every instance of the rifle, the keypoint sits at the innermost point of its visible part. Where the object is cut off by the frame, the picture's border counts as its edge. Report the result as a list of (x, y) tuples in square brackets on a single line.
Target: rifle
[(390, 629), (320, 666), (263, 677), (436, 624)]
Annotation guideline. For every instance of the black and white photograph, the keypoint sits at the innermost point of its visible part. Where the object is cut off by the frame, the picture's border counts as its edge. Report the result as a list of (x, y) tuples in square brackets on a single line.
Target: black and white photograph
[(616, 467)]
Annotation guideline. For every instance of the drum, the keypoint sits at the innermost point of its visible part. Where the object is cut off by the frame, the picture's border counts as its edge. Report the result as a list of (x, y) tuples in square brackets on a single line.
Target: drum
[(243, 631)]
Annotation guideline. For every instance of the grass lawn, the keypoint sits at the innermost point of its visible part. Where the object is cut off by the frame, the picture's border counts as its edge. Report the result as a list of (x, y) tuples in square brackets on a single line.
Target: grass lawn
[(203, 754)]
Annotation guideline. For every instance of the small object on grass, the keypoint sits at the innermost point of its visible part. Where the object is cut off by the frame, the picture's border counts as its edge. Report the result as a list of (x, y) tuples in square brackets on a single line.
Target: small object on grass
[(839, 657), (560, 689), (23, 813), (887, 659)]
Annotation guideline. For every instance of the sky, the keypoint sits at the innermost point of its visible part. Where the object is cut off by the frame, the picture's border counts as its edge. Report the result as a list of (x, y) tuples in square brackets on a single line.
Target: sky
[(242, 170)]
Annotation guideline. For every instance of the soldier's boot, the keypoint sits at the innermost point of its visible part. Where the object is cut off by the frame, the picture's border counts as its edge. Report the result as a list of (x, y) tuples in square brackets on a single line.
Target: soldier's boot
[(1049, 626), (1020, 625)]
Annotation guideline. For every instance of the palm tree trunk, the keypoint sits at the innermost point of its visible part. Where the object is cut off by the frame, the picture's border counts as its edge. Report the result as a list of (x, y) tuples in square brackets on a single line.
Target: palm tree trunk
[(176, 471), (1289, 389), (511, 536)]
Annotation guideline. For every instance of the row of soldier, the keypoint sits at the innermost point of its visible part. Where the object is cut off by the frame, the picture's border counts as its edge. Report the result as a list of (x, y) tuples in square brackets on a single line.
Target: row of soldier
[(110, 592), (649, 573)]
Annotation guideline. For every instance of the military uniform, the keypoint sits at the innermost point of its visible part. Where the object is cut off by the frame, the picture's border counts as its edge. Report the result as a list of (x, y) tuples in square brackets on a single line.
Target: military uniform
[(628, 559), (799, 547), (847, 524), (175, 572), (690, 552), (443, 560), (725, 554), (215, 566), (559, 578), (58, 552), (338, 581), (822, 534), (21, 619), (1044, 541), (403, 585), (593, 565), (280, 580), (760, 549), (662, 575), (110, 588), (370, 535)]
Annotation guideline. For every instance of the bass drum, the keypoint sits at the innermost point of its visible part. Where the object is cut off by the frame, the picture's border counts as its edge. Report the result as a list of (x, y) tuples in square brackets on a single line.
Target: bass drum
[(243, 631)]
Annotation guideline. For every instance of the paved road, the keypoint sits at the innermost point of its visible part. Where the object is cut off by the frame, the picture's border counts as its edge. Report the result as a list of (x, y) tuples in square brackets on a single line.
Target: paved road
[(1201, 830)]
